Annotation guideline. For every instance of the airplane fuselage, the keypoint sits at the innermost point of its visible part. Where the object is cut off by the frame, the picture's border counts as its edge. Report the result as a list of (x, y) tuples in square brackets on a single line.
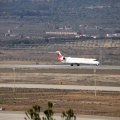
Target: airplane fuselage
[(77, 61), (80, 61)]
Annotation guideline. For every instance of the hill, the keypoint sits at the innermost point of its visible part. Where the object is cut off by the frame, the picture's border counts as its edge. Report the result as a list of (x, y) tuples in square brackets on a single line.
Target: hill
[(87, 12)]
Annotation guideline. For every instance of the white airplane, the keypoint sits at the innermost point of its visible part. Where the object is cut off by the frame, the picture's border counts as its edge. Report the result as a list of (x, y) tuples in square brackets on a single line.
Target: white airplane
[(77, 61)]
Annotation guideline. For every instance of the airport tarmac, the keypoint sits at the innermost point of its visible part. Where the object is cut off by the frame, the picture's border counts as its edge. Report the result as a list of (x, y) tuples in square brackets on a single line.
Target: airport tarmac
[(21, 115), (64, 87), (59, 66)]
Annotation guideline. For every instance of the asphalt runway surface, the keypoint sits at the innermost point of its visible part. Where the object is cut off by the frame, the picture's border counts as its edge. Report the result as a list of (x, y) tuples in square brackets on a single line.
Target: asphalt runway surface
[(62, 87), (60, 66), (20, 116)]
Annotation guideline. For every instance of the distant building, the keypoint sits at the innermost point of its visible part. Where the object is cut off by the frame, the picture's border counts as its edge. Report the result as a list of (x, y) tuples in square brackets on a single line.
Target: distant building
[(80, 35), (113, 35), (62, 33), (8, 33)]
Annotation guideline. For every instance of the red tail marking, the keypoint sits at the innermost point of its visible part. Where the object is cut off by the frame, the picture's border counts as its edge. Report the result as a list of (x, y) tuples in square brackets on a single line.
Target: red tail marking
[(60, 57)]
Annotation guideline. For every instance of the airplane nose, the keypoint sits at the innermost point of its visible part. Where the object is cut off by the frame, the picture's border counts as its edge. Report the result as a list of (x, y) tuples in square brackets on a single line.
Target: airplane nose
[(98, 63)]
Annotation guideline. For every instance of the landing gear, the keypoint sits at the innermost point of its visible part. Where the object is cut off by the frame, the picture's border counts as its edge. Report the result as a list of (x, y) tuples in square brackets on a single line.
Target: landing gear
[(76, 64)]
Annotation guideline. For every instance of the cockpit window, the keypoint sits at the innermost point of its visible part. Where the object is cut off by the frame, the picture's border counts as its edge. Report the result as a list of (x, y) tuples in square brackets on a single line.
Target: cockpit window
[(96, 60)]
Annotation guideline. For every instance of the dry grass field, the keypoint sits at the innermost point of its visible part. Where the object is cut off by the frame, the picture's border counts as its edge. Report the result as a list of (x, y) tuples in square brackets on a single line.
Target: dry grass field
[(64, 76), (82, 102), (106, 51)]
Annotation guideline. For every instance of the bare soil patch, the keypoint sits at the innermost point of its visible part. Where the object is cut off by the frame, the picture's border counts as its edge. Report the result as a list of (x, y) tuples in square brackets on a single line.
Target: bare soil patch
[(61, 76), (82, 102)]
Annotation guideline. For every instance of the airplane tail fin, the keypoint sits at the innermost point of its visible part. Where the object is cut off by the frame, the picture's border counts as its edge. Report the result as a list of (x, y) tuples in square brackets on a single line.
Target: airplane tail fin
[(60, 57)]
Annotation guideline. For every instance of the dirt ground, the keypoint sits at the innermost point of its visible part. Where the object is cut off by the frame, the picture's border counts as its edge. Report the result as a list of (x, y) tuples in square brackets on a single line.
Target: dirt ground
[(82, 102), (61, 76)]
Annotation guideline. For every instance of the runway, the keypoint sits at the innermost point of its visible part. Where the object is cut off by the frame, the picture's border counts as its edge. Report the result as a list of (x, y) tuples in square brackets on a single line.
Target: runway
[(10, 66), (62, 87)]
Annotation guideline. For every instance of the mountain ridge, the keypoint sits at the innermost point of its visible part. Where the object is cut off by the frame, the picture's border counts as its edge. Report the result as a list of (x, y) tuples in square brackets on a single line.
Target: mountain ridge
[(104, 12)]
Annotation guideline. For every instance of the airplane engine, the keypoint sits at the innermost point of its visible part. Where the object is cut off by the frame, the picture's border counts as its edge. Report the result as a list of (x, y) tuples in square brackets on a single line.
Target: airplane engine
[(64, 58)]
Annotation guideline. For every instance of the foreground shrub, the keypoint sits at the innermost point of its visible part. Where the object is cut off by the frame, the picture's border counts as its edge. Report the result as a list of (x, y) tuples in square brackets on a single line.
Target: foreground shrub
[(34, 113)]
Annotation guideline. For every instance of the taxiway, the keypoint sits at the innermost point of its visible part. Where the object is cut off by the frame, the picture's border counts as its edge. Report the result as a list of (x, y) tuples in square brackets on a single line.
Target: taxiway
[(62, 87)]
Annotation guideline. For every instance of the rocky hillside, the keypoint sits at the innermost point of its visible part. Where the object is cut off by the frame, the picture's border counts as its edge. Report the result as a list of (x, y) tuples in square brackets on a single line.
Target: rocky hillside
[(94, 12)]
